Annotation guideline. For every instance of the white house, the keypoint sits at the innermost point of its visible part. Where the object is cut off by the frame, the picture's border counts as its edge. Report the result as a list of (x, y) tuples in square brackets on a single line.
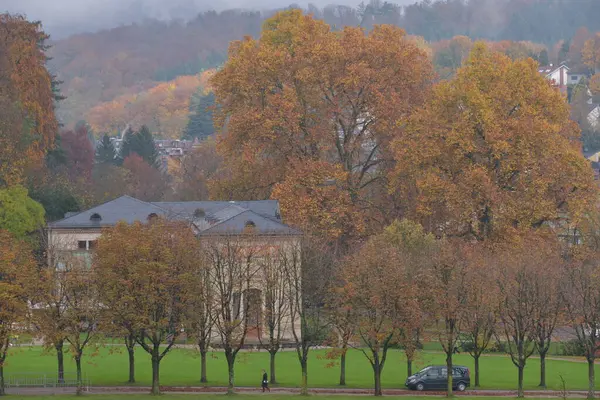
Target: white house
[(558, 75)]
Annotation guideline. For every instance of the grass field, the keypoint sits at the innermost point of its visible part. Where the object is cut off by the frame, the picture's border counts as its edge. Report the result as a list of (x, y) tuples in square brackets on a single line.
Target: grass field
[(220, 397), (181, 367)]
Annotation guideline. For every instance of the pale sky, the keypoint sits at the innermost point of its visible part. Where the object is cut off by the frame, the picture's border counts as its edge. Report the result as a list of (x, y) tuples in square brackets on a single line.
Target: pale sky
[(63, 17)]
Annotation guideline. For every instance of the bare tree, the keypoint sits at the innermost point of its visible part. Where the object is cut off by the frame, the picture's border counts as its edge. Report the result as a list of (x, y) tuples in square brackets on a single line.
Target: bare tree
[(82, 312), (277, 309), (582, 298), (308, 267), (481, 308), (448, 281), (201, 315), (232, 269), (520, 273)]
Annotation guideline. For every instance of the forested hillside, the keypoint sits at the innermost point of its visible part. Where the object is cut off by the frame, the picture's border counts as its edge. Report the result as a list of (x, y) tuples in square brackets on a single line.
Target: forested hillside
[(128, 60)]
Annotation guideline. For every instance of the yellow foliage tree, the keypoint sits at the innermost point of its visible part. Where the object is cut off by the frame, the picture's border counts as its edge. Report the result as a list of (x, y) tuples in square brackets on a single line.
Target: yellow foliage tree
[(493, 150)]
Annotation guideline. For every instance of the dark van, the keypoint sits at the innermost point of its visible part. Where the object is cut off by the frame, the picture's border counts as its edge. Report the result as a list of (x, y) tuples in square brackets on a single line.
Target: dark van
[(435, 377)]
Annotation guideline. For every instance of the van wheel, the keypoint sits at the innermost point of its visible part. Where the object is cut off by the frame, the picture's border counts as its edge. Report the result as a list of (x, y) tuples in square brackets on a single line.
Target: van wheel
[(461, 387), (420, 387)]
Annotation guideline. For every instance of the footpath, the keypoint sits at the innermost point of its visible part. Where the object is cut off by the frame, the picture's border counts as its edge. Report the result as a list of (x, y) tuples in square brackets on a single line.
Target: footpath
[(282, 391)]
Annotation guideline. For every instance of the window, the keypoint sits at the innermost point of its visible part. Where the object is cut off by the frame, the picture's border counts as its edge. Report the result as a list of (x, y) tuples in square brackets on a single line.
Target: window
[(574, 77), (86, 244)]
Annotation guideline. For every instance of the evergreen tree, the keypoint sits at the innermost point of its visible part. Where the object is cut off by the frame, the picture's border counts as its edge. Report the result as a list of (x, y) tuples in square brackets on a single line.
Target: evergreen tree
[(105, 151), (543, 57), (200, 124), (145, 147), (128, 144)]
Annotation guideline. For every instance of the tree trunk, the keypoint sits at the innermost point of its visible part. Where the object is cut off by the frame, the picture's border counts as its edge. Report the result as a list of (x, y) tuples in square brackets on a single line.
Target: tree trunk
[(2, 392), (78, 367), (476, 357), (376, 375), (61, 362), (231, 377), (449, 372), (543, 369), (272, 366), (155, 372), (131, 352), (304, 365), (203, 366), (409, 366), (343, 369), (520, 392), (591, 379)]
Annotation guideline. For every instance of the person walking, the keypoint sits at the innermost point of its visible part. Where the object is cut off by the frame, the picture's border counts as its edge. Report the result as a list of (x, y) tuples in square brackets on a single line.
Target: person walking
[(265, 382)]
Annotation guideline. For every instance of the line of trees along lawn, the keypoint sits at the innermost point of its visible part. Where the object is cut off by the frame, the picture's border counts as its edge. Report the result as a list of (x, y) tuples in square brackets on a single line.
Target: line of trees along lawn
[(426, 208)]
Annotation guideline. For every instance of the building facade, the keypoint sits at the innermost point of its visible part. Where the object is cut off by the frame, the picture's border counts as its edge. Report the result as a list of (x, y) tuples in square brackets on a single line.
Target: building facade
[(74, 239)]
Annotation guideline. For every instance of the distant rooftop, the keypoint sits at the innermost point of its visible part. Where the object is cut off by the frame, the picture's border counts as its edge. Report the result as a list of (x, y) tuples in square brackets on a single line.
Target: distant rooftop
[(207, 217)]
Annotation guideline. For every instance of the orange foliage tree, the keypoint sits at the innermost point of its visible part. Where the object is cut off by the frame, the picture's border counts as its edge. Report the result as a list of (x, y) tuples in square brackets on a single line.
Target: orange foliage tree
[(145, 275), (493, 149), (528, 283), (27, 94), (17, 269), (383, 307), (591, 52), (304, 95)]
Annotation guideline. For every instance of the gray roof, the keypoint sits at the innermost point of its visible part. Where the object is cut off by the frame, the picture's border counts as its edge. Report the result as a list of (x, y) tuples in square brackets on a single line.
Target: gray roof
[(219, 217)]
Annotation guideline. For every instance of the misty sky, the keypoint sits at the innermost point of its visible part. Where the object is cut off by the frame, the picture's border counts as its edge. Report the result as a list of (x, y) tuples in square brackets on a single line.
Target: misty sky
[(64, 17)]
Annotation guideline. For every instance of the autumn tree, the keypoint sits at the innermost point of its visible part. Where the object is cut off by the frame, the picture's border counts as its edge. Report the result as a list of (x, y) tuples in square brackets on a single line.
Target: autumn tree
[(196, 170), (477, 155), (79, 152), (481, 302), (144, 271), (82, 308), (109, 182), (144, 182), (581, 293), (591, 53), (343, 320), (50, 318), (105, 151), (382, 305), (303, 95), (308, 266), (276, 320), (17, 268), (447, 278), (524, 280), (233, 269), (201, 315), (24, 45)]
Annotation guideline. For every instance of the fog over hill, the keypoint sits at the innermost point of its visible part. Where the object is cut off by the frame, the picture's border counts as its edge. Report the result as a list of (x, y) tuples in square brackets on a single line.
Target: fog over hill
[(65, 17)]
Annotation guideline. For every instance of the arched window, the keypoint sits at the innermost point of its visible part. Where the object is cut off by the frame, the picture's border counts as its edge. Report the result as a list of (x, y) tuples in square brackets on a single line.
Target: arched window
[(95, 217)]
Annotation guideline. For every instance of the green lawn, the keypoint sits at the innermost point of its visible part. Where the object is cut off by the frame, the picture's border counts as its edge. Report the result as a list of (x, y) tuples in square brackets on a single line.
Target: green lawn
[(181, 367), (217, 397)]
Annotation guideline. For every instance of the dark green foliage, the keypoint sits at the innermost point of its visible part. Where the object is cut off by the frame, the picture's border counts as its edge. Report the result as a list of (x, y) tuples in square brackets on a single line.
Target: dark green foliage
[(140, 143), (56, 157), (105, 151), (543, 57), (145, 147), (57, 197), (128, 144), (200, 124)]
